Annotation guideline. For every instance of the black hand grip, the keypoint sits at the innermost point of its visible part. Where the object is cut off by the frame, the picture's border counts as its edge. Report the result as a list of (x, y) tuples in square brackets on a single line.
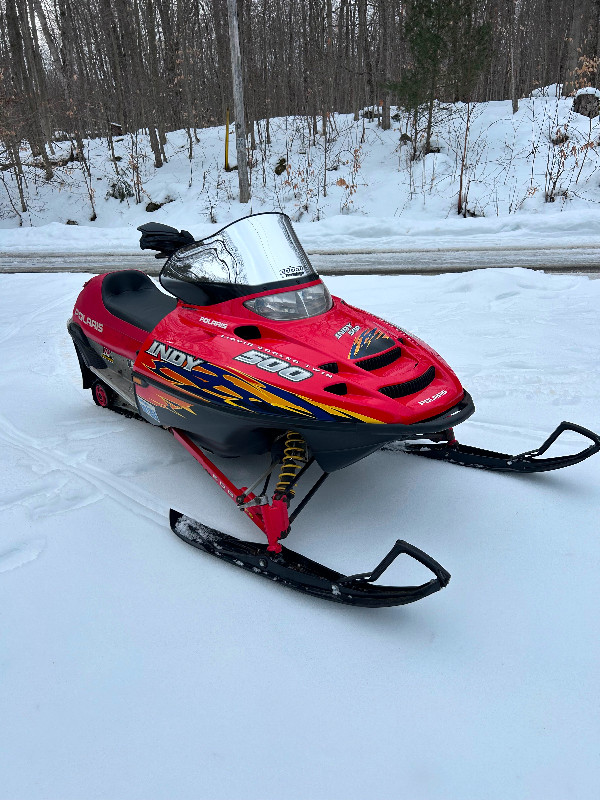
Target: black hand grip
[(442, 575), (568, 426)]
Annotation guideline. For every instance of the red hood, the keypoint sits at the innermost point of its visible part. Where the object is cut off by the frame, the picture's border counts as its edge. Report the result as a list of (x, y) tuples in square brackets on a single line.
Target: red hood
[(340, 360)]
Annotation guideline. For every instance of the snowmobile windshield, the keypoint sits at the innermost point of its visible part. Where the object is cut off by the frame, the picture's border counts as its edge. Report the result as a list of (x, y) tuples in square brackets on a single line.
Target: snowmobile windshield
[(255, 251)]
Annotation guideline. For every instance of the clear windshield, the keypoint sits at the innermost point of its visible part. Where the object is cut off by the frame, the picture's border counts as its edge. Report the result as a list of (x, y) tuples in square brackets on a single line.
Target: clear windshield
[(253, 251)]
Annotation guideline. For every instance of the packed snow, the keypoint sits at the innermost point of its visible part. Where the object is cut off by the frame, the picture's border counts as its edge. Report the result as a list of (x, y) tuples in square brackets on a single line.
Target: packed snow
[(134, 666), (363, 194)]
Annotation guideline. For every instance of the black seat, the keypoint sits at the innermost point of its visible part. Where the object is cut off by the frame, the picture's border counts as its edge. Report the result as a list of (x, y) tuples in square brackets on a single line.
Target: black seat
[(133, 297)]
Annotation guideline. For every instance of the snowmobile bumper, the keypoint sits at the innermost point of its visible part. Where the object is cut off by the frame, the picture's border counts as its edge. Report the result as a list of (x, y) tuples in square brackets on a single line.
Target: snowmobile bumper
[(298, 572)]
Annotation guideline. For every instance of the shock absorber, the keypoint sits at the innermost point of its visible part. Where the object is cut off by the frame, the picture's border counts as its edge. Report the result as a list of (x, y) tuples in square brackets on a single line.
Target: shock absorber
[(294, 458)]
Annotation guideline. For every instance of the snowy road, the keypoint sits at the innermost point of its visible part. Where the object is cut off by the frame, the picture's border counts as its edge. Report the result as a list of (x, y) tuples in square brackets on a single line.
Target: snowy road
[(135, 667), (428, 261)]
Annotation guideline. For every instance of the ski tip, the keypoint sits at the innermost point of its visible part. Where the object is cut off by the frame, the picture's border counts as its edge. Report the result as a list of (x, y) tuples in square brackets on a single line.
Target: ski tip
[(174, 517)]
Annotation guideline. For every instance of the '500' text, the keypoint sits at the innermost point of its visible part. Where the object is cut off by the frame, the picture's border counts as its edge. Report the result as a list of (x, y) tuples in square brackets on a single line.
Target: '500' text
[(271, 364)]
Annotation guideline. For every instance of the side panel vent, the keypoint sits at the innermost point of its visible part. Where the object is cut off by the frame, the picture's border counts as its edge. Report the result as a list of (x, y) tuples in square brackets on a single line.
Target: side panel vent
[(409, 387), (382, 360), (331, 366), (337, 388)]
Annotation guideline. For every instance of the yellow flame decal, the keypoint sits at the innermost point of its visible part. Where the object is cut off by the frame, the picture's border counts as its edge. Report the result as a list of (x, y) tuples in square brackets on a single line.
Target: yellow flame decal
[(172, 405), (339, 412), (260, 390)]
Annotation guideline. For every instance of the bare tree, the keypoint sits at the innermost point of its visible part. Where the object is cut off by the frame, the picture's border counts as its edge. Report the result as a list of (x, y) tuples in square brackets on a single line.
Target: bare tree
[(238, 102), (514, 52)]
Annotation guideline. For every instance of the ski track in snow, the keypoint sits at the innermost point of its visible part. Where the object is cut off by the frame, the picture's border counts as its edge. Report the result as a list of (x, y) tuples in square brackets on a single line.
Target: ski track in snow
[(56, 494), (27, 318), (21, 554), (66, 479)]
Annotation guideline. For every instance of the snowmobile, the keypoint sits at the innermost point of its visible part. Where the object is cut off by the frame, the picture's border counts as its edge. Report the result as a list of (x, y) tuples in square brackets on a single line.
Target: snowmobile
[(245, 352)]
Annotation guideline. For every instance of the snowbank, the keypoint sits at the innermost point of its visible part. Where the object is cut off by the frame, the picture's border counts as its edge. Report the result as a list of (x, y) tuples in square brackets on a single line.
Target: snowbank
[(369, 196)]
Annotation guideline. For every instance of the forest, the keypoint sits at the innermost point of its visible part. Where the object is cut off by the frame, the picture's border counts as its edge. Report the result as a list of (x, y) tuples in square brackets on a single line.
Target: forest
[(74, 71)]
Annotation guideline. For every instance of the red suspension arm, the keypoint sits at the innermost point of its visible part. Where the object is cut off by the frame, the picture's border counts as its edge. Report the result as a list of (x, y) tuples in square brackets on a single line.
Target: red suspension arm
[(272, 519)]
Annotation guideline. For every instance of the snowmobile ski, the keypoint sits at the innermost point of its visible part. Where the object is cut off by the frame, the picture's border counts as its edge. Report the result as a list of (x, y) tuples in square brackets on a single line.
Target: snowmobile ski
[(465, 456), (301, 573)]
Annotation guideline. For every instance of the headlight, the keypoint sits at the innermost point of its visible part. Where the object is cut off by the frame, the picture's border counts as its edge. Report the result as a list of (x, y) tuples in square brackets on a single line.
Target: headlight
[(301, 304)]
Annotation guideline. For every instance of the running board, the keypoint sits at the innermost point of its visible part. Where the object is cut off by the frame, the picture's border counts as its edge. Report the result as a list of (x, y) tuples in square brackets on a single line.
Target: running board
[(298, 572), (466, 456)]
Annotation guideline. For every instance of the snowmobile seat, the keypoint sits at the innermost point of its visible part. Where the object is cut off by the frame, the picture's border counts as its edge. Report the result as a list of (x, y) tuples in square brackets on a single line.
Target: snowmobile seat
[(131, 296)]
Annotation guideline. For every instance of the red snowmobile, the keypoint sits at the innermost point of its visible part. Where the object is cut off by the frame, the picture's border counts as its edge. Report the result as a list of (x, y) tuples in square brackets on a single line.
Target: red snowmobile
[(248, 353)]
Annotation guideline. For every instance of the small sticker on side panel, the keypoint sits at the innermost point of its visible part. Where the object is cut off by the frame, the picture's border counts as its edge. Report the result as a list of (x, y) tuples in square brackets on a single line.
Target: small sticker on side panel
[(148, 409)]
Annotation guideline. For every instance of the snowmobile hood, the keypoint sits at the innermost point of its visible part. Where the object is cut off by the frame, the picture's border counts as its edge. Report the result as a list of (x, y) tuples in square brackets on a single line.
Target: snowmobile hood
[(341, 364)]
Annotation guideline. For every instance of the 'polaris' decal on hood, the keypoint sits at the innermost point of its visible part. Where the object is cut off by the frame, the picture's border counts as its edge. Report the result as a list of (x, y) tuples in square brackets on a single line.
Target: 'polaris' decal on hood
[(432, 398), (216, 322), (173, 356)]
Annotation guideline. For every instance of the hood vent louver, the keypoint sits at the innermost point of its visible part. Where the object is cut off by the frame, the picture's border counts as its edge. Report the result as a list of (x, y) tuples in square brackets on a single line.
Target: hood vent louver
[(409, 387), (248, 332), (337, 388), (331, 366), (381, 360)]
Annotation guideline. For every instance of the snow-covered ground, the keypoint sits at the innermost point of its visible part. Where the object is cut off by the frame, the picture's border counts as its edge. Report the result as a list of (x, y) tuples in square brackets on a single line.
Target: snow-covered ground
[(376, 198), (133, 666)]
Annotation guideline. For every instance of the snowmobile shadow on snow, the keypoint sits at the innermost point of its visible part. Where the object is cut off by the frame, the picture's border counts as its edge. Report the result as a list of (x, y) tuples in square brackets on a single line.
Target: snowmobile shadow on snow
[(246, 353)]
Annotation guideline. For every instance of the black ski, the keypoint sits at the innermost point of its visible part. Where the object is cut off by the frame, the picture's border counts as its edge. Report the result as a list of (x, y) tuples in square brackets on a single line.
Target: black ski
[(298, 572), (466, 456)]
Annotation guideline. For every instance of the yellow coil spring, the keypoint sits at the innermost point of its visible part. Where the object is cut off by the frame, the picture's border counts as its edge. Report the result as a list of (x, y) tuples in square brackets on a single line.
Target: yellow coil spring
[(294, 458)]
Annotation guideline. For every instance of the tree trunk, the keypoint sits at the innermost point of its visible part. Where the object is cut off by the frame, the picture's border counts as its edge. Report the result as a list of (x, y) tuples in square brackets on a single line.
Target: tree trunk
[(385, 24), (238, 101), (514, 53), (575, 43)]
